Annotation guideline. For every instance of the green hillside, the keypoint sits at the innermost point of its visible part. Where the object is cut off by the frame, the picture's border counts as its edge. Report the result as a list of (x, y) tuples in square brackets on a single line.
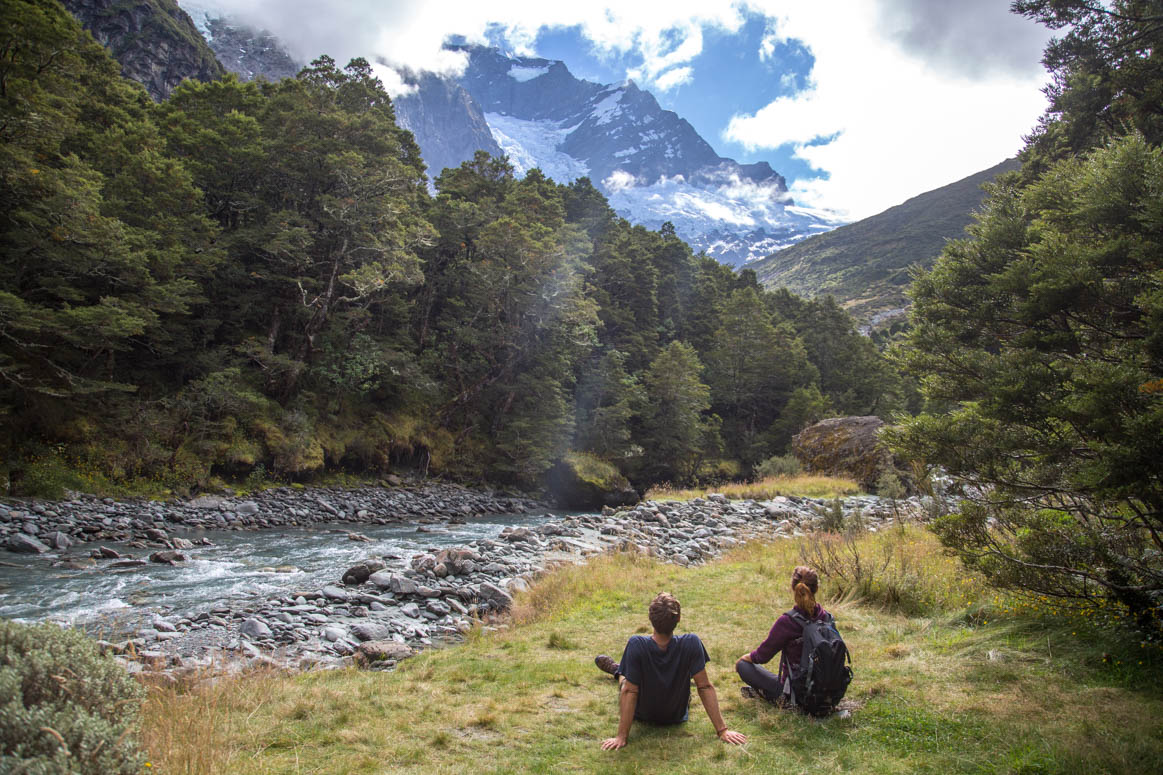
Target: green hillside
[(865, 265)]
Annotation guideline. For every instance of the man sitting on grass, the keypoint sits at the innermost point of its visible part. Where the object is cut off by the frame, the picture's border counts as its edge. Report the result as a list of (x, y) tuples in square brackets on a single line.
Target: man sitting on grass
[(655, 676)]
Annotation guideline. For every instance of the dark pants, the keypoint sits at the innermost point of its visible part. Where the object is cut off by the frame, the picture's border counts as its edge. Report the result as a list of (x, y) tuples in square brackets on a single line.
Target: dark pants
[(761, 679)]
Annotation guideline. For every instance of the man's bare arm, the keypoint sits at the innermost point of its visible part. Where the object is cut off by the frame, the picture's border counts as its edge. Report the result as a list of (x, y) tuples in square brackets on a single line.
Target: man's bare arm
[(627, 702), (710, 702)]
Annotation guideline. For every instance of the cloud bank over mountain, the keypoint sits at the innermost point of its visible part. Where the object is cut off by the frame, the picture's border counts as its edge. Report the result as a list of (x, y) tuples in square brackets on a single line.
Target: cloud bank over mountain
[(893, 85)]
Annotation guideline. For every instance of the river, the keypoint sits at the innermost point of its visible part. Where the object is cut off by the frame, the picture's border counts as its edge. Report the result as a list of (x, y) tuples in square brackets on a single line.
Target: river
[(240, 567)]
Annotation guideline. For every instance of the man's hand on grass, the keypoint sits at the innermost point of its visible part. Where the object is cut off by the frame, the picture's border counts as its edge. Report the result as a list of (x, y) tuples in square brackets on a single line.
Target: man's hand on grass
[(735, 738), (614, 743)]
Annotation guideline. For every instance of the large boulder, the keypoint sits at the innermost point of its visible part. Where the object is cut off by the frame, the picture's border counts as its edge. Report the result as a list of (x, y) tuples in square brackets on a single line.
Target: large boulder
[(844, 446), (585, 483)]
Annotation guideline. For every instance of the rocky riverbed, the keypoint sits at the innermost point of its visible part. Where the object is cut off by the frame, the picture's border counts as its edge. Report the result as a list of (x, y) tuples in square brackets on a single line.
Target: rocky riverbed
[(384, 607)]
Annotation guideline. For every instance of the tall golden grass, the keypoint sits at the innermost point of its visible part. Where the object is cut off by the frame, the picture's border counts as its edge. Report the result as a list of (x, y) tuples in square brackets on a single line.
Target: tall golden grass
[(806, 485)]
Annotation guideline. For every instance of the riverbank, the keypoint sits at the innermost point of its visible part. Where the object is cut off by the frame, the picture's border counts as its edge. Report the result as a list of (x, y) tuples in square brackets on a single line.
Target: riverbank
[(388, 599), (962, 687)]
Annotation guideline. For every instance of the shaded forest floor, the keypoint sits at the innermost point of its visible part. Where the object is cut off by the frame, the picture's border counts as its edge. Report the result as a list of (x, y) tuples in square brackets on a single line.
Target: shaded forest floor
[(949, 678)]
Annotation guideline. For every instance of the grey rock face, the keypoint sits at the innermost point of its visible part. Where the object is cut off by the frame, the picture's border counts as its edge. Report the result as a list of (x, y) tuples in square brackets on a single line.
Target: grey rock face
[(447, 123), (156, 43), (249, 53)]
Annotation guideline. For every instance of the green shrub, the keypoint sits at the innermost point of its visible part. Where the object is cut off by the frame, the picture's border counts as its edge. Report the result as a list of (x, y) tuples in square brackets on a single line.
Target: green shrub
[(778, 465), (833, 517), (64, 707)]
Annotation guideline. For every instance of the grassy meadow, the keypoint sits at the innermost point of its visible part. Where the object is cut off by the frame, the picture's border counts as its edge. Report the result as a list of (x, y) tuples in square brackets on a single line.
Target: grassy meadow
[(949, 678)]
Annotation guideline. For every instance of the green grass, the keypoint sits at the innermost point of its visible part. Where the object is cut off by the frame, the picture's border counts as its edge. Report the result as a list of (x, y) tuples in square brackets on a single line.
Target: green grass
[(970, 689)]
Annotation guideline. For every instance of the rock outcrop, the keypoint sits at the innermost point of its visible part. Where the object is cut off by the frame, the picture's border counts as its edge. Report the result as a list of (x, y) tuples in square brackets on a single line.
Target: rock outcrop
[(582, 482), (447, 123), (154, 40), (844, 446)]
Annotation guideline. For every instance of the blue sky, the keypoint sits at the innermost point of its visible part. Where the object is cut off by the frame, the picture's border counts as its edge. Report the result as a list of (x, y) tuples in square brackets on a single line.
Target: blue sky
[(728, 77)]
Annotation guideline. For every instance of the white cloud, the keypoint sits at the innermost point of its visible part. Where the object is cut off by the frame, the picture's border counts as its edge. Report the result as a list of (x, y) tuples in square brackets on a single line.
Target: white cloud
[(407, 33), (619, 180), (674, 77), (882, 120), (904, 95)]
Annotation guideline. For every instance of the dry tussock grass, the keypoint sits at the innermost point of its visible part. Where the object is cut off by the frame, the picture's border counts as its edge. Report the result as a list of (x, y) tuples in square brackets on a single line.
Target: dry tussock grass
[(806, 485)]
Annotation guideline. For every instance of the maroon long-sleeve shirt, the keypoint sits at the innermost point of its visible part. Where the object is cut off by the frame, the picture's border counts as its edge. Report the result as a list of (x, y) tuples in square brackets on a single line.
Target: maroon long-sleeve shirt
[(787, 636)]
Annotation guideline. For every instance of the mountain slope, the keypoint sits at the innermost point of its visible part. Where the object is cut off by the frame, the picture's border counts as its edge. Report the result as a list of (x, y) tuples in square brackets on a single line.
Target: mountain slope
[(651, 163), (865, 265), (447, 123), (154, 40)]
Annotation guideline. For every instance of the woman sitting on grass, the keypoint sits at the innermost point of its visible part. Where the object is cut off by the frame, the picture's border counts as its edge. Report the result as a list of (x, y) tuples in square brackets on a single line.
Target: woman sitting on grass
[(786, 636)]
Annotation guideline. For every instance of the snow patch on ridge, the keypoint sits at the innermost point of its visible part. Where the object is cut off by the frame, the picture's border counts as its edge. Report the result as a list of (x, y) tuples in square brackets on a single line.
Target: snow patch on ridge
[(530, 144), (203, 11), (522, 73)]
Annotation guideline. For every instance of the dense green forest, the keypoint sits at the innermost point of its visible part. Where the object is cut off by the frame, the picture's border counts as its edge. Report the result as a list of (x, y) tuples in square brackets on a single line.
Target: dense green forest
[(251, 279), (1043, 333)]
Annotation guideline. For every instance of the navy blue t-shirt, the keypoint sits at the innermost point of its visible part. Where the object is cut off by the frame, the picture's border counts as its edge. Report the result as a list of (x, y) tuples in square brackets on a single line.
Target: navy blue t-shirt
[(663, 678)]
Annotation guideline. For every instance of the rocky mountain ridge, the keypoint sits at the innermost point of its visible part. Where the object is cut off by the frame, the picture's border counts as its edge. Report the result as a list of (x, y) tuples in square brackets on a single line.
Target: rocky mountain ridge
[(652, 164), (154, 40), (866, 265)]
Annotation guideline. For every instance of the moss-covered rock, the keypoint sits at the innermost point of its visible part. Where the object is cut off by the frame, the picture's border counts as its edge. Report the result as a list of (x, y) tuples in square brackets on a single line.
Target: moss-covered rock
[(844, 446), (581, 481)]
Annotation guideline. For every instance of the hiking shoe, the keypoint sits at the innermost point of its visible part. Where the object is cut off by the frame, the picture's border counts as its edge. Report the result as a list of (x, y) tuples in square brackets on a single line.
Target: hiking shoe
[(751, 693), (606, 664)]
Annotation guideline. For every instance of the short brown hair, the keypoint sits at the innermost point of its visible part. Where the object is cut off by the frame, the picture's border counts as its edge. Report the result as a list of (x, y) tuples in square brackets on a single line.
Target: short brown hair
[(665, 613)]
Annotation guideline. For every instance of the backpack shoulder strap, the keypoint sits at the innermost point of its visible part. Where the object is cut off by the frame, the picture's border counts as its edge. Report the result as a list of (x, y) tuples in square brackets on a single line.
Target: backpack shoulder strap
[(797, 616)]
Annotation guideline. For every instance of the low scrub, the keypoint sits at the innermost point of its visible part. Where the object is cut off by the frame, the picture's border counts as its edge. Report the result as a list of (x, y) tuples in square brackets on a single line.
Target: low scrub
[(64, 707), (902, 569)]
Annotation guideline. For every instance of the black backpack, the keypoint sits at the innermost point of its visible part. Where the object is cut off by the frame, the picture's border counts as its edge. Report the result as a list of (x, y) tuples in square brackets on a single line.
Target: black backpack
[(824, 672)]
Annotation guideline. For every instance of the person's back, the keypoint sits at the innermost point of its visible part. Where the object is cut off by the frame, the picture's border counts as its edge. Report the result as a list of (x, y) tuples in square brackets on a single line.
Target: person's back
[(663, 675), (654, 677)]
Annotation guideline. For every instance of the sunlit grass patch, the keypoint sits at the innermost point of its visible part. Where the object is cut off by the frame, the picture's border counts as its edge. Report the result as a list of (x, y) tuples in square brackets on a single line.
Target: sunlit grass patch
[(805, 485), (946, 688)]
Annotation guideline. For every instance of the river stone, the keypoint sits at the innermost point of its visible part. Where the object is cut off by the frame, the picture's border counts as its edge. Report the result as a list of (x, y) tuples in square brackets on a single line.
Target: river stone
[(382, 579), (438, 607), (380, 650), (58, 540), (371, 631), (495, 595), (456, 605), (246, 508), (357, 574), (161, 625), (167, 557), (255, 628), (156, 534), (427, 591), (516, 585), (402, 585), (333, 634), (23, 543), (334, 593), (410, 610), (181, 543)]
